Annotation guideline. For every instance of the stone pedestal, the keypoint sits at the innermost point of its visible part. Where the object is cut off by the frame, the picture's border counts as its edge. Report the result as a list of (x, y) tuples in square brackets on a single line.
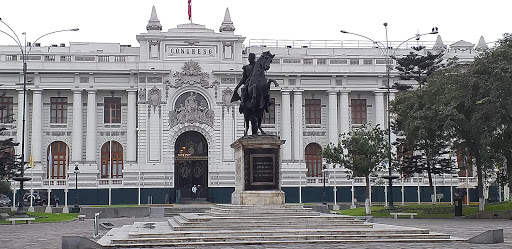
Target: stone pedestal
[(257, 171)]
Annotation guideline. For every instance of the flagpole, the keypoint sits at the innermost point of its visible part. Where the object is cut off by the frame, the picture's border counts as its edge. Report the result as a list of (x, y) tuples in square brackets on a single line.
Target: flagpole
[(110, 173), (50, 162), (190, 10)]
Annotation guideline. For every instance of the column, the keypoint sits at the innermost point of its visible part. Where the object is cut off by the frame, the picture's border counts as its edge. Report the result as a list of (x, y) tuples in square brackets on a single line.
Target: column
[(379, 110), (90, 153), (344, 118), (286, 125), (131, 145), (76, 152), (297, 125), (333, 117), (19, 132), (37, 129)]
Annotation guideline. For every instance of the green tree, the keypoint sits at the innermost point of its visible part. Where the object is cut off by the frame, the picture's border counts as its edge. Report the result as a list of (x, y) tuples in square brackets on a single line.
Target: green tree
[(361, 151), (492, 70), (8, 163), (5, 186), (418, 65), (424, 132), (473, 122)]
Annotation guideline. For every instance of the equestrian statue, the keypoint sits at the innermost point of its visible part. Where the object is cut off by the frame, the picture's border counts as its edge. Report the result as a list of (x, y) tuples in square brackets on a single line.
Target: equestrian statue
[(255, 92)]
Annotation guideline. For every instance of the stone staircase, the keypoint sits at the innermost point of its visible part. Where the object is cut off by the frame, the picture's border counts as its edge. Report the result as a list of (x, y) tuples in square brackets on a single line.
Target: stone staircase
[(237, 224), (171, 211)]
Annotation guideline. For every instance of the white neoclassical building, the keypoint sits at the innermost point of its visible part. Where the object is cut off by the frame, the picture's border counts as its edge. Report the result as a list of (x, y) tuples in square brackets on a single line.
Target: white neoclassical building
[(144, 124)]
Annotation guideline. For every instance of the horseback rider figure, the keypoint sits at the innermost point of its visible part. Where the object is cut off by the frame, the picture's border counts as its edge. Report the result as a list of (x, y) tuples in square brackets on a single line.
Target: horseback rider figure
[(255, 91), (246, 74)]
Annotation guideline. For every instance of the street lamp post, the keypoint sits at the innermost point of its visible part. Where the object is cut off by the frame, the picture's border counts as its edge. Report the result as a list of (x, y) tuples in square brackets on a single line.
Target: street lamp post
[(76, 207), (389, 52), (24, 53), (324, 195)]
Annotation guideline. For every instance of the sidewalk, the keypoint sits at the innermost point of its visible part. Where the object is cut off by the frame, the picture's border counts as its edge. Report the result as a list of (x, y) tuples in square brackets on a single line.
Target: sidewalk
[(48, 235)]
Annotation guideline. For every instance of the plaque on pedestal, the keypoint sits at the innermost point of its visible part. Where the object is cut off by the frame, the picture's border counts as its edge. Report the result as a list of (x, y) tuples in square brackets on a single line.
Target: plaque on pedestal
[(257, 164)]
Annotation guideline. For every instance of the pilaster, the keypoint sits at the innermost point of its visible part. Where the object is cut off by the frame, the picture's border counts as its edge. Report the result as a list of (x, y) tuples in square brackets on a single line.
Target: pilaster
[(297, 125), (37, 129), (77, 150), (333, 117), (344, 114), (90, 153), (286, 122), (131, 145)]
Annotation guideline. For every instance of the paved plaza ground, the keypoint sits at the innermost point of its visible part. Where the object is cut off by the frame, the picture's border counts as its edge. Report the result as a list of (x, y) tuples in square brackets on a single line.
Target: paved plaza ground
[(48, 235)]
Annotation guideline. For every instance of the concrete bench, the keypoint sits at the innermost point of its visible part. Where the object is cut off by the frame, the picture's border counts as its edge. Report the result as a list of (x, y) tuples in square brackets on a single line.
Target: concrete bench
[(26, 219), (405, 214)]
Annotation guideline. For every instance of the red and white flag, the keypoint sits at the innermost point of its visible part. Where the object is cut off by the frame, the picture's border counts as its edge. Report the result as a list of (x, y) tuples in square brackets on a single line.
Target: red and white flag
[(190, 10)]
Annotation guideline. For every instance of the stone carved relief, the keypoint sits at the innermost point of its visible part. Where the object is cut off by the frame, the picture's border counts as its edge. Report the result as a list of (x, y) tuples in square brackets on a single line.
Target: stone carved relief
[(314, 133), (191, 42), (191, 75), (154, 79), (142, 95), (154, 49), (216, 83), (226, 96), (227, 80), (154, 98), (112, 133), (191, 110)]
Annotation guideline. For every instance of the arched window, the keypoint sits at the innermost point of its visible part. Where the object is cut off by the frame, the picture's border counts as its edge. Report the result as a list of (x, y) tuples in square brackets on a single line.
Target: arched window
[(116, 168), (57, 160), (313, 160)]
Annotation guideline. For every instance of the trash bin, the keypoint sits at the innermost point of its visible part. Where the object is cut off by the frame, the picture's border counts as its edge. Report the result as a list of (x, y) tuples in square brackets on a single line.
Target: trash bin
[(457, 203)]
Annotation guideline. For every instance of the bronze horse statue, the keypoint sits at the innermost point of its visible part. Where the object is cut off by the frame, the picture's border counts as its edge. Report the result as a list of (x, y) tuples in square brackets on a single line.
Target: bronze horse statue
[(256, 95)]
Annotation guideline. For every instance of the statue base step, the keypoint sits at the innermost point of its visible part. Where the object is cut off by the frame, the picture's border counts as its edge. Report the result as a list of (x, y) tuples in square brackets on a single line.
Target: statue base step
[(258, 197)]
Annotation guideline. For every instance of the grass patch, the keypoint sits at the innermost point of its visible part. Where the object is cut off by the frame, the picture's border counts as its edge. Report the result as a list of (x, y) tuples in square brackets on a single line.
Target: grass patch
[(47, 217), (427, 211)]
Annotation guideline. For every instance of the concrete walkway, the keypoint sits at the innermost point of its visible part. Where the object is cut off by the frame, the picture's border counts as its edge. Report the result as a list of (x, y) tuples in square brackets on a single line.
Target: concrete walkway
[(48, 235)]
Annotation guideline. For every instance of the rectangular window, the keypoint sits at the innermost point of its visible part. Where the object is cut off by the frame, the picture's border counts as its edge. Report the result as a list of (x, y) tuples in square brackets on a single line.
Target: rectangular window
[(112, 110), (58, 110), (367, 62), (270, 116), (308, 61), (338, 61), (313, 111), (321, 61), (358, 109), (6, 109), (380, 61), (354, 61)]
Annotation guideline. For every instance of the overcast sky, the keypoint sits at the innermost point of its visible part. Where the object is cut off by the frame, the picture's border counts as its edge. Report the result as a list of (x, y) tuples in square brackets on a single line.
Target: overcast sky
[(120, 21)]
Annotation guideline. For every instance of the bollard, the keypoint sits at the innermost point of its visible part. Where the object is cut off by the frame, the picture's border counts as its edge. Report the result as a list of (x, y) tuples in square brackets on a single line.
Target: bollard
[(96, 224)]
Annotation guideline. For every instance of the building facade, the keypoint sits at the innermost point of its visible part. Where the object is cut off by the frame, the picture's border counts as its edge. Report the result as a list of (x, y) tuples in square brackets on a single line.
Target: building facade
[(144, 124)]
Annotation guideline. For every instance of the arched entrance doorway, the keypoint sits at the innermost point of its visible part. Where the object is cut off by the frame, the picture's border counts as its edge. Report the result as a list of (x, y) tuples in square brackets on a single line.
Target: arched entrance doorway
[(191, 164)]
